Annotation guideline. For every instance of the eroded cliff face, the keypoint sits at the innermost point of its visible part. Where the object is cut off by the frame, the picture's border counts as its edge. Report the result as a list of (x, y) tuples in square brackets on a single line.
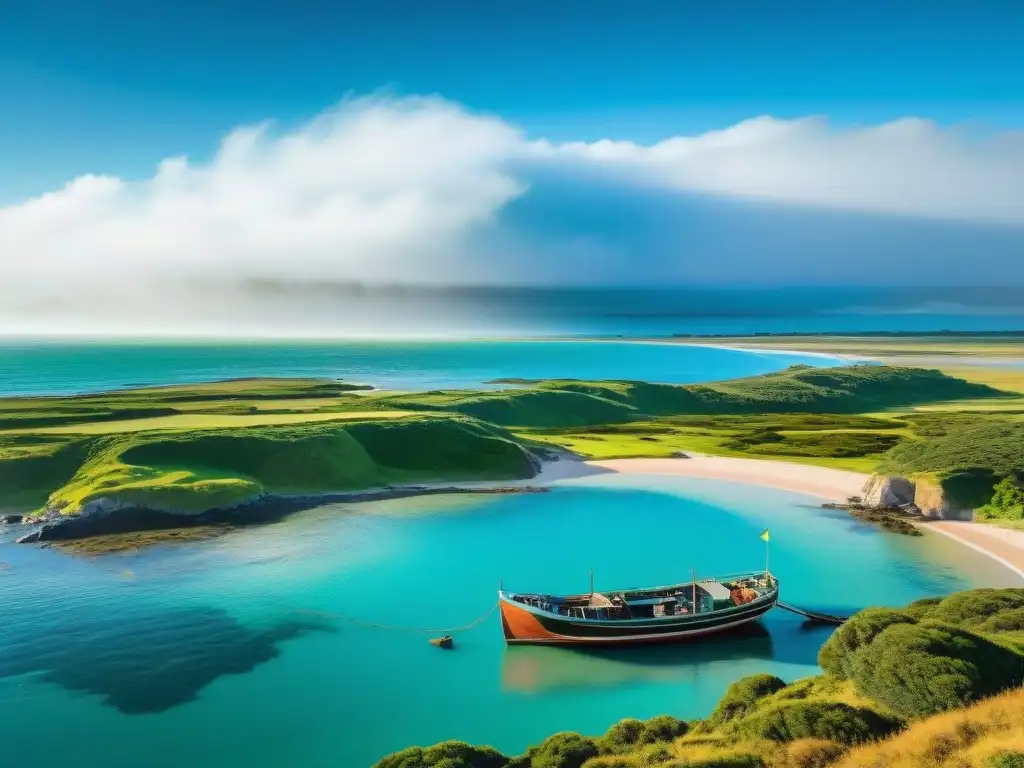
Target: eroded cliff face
[(888, 491), (933, 501), (926, 494)]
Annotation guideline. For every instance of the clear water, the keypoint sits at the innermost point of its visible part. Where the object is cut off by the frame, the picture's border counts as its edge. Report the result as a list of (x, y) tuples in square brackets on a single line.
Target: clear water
[(69, 367), (208, 654)]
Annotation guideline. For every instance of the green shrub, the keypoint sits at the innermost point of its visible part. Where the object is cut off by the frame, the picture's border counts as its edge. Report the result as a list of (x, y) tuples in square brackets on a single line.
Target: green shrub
[(662, 728), (651, 756), (975, 608), (742, 697), (1007, 502), (448, 754), (831, 720), (1006, 759), (922, 669), (622, 737), (563, 750), (836, 656)]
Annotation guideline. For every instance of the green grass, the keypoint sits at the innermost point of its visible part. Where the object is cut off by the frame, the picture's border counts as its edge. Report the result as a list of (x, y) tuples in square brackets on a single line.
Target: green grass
[(194, 470), (193, 421), (69, 450)]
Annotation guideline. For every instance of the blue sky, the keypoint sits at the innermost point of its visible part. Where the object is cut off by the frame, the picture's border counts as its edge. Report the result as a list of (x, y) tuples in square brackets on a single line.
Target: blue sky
[(115, 85), (678, 142)]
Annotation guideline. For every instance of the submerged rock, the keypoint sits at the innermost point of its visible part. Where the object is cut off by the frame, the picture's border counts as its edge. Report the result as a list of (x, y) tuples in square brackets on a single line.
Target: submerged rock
[(10, 519)]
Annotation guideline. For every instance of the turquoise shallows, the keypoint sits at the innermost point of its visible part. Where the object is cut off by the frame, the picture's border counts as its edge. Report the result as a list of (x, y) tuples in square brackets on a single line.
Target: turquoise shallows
[(213, 654)]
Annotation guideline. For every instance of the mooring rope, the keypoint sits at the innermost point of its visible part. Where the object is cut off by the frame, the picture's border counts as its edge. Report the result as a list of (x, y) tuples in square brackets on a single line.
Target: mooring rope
[(396, 628)]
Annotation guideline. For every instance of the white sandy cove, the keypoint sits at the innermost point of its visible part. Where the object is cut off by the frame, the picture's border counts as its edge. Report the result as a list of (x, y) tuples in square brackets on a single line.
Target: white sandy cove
[(831, 484), (1002, 545)]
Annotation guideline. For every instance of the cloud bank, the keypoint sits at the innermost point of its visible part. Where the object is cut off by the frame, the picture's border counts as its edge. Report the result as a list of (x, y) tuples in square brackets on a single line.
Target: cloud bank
[(908, 167), (414, 190)]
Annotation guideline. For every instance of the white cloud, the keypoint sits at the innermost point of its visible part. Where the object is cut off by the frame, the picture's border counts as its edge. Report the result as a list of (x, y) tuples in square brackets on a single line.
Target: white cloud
[(908, 167), (383, 189), (374, 189)]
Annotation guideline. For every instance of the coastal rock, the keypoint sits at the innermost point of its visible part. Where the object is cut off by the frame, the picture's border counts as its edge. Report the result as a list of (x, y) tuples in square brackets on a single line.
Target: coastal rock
[(10, 519), (888, 491), (933, 501)]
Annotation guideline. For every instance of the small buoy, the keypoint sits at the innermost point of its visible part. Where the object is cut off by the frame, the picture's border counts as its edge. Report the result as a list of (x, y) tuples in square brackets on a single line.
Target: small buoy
[(443, 642)]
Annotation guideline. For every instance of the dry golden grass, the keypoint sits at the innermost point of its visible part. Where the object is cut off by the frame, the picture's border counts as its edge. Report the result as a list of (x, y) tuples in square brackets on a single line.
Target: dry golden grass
[(965, 738)]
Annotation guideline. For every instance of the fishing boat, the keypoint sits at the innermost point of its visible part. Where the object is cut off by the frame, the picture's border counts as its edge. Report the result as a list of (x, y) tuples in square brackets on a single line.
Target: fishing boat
[(641, 615)]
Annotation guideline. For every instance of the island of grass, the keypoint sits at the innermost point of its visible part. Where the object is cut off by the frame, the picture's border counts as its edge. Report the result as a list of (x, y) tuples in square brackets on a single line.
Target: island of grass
[(230, 450), (937, 683)]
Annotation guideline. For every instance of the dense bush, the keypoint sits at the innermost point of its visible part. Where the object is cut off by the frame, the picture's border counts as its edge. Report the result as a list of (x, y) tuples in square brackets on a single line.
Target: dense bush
[(922, 669), (975, 609), (626, 735), (742, 697), (996, 445), (836, 656), (448, 754), (1007, 502), (563, 750), (1011, 758), (831, 720)]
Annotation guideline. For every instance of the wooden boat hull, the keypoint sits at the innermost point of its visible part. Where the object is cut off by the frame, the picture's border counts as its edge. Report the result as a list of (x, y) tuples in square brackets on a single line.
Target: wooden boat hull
[(522, 624)]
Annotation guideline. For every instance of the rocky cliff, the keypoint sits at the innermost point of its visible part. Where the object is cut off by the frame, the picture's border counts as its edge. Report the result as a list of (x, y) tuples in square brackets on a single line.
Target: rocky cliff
[(924, 494)]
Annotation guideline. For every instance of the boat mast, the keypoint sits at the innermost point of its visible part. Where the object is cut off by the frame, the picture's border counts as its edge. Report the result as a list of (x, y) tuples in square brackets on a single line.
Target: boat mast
[(693, 575), (591, 581)]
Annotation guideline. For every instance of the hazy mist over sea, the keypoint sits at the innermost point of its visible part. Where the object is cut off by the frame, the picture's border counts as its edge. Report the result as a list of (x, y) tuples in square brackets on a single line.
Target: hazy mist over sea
[(283, 309)]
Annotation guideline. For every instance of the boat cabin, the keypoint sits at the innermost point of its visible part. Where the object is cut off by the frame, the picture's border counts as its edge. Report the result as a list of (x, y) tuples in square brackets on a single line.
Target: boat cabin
[(700, 597)]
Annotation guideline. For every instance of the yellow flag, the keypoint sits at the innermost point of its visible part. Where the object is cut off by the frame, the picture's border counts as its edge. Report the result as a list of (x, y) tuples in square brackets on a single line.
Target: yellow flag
[(764, 535)]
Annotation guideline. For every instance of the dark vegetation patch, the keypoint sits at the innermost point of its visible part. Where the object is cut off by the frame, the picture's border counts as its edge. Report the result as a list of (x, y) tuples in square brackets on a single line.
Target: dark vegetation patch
[(826, 445), (141, 662), (995, 445)]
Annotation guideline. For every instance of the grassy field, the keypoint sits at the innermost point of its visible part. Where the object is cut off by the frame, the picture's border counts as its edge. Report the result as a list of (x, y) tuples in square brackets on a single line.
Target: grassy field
[(194, 421), (194, 447), (855, 443), (934, 685)]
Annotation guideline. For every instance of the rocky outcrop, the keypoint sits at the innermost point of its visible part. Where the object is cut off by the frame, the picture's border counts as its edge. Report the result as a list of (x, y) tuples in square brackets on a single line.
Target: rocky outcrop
[(888, 491), (922, 495), (10, 519)]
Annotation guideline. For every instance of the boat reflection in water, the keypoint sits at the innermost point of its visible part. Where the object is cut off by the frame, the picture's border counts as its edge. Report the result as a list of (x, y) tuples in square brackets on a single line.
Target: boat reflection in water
[(538, 668)]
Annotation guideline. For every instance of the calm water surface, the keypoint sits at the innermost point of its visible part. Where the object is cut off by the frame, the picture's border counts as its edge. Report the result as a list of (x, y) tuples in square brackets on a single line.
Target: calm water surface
[(227, 652), (64, 367)]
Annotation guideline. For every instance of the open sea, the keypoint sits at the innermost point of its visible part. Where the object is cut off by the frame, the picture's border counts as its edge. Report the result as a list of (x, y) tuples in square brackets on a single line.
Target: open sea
[(233, 651)]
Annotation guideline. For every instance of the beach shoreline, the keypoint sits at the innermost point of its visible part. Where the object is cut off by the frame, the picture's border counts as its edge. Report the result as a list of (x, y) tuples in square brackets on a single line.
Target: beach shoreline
[(1001, 545)]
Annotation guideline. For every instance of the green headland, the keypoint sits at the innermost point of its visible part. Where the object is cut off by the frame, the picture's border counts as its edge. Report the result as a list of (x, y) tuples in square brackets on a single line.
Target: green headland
[(192, 450)]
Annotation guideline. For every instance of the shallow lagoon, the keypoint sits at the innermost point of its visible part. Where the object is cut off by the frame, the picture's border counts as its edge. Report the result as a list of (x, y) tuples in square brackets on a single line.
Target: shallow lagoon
[(214, 653)]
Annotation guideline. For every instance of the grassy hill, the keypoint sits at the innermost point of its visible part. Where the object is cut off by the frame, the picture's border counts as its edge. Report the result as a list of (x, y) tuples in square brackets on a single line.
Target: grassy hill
[(194, 470), (797, 389), (194, 446), (935, 684)]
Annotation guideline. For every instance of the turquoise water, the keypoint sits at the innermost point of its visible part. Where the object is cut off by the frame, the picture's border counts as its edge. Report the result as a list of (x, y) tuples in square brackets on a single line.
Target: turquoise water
[(70, 367), (209, 654)]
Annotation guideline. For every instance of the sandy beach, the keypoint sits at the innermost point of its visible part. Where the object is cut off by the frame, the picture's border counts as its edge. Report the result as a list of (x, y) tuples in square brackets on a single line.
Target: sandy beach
[(828, 484), (1003, 545)]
